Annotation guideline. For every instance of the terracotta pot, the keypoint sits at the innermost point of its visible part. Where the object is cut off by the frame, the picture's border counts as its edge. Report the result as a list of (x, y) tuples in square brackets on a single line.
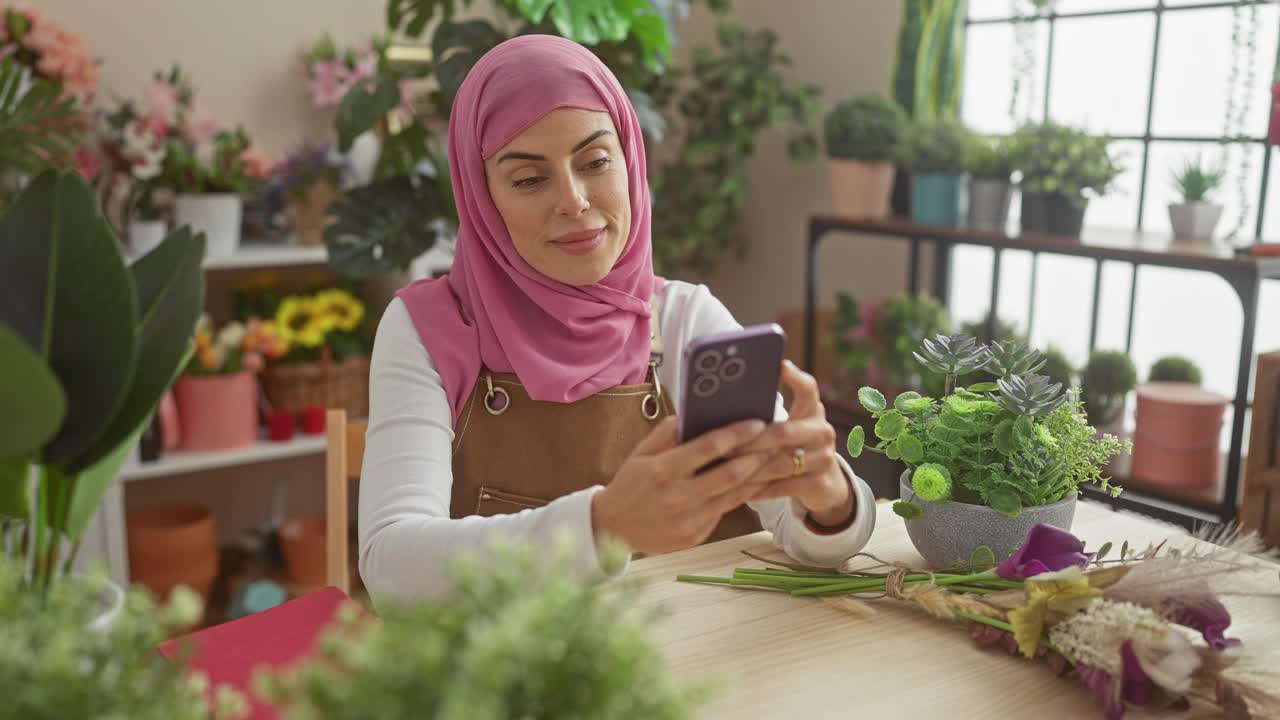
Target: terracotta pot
[(302, 543), (218, 412), (1176, 439), (311, 213), (861, 189), (171, 545)]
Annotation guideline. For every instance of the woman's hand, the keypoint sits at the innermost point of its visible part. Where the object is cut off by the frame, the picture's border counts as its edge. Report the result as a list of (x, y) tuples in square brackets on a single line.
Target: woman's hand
[(821, 486), (658, 502)]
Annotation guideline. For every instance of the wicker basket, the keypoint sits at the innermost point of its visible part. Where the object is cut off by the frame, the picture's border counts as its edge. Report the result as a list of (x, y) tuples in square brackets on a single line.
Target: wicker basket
[(294, 387)]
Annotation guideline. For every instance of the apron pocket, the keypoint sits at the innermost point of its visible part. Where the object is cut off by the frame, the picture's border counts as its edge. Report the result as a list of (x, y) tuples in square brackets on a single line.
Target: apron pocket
[(492, 501)]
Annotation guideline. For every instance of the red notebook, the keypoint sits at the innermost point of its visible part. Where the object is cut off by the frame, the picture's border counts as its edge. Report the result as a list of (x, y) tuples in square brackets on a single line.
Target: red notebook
[(277, 637)]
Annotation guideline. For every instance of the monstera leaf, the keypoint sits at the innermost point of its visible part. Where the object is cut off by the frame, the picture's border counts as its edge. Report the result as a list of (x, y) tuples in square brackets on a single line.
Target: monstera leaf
[(361, 107), (457, 46), (384, 226)]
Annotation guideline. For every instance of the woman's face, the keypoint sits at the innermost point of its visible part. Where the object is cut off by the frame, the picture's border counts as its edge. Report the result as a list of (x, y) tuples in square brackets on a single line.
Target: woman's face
[(561, 186)]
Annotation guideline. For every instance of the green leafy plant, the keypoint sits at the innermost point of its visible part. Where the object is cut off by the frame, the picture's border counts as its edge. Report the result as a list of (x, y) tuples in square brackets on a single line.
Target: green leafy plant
[(1056, 158), (866, 128), (1175, 368), (1058, 368), (987, 159), (1195, 181), (849, 336), (517, 636), (934, 147), (384, 225), (1015, 443), (902, 324), (1005, 330), (88, 346), (54, 668), (1106, 380), (928, 77)]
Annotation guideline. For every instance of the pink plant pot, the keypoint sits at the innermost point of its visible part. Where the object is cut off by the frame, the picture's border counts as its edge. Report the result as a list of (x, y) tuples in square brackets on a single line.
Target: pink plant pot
[(1175, 442), (218, 412)]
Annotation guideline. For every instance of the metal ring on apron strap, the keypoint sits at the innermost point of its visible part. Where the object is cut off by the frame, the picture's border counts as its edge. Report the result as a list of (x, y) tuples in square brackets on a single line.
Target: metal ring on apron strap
[(492, 394), (654, 399)]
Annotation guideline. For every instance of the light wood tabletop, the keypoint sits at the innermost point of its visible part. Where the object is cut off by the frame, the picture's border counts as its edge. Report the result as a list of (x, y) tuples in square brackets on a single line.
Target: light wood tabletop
[(773, 655)]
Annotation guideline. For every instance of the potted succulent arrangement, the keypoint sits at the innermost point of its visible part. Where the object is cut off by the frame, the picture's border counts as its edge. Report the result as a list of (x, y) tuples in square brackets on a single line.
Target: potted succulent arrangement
[(990, 189), (1106, 381), (1178, 425), (1062, 167), (1196, 216), (933, 151), (862, 136), (88, 348), (310, 178), (985, 463)]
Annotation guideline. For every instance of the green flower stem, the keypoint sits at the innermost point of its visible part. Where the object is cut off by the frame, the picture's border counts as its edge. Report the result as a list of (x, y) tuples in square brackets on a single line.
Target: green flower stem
[(794, 573)]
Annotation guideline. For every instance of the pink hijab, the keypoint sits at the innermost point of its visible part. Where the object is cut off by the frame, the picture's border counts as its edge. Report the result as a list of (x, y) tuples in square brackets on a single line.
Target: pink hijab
[(495, 310)]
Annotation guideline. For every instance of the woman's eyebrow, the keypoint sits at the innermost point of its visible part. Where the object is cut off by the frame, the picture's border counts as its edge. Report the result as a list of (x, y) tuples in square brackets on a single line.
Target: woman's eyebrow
[(539, 158)]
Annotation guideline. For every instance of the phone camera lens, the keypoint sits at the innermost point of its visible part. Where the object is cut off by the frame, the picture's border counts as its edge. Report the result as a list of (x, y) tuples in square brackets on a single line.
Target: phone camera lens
[(709, 361), (706, 386), (733, 369)]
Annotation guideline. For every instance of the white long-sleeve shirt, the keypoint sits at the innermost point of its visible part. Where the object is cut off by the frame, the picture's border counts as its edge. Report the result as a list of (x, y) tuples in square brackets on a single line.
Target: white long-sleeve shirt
[(406, 535)]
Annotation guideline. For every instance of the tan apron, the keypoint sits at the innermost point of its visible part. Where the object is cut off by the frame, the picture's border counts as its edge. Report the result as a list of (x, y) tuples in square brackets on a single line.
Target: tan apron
[(511, 452)]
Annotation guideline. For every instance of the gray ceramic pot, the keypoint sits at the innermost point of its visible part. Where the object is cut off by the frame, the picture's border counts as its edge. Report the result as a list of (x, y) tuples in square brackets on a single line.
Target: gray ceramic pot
[(948, 532)]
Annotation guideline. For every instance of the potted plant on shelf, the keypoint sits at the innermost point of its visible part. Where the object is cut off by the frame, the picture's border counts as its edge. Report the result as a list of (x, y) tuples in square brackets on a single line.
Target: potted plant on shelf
[(1195, 217), (933, 151), (987, 162), (327, 338), (988, 462), (1058, 368), (1062, 167), (88, 347), (901, 324), (1106, 382), (218, 392), (133, 142), (310, 178), (862, 136), (1178, 426)]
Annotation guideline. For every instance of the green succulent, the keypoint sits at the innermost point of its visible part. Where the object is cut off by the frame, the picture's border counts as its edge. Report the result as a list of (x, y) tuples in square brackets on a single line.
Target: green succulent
[(1012, 358), (867, 128), (1030, 395), (935, 147), (1175, 368), (952, 355)]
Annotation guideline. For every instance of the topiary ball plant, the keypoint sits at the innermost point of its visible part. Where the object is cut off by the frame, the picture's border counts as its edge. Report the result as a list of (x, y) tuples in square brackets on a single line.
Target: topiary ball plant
[(866, 128), (1175, 368), (935, 147), (1105, 381), (987, 159), (1058, 368)]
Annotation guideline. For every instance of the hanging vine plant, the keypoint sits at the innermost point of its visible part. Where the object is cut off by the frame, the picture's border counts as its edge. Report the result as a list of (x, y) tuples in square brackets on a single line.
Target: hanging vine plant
[(1026, 59), (1242, 76)]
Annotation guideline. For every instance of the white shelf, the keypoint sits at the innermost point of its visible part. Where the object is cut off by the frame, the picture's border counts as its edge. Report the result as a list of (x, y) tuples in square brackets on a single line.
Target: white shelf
[(179, 462), (253, 256)]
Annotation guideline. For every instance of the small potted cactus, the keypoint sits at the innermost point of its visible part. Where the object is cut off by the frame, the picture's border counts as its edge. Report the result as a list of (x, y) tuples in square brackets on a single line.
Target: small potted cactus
[(1196, 216), (1178, 425), (862, 135), (1106, 380), (985, 462)]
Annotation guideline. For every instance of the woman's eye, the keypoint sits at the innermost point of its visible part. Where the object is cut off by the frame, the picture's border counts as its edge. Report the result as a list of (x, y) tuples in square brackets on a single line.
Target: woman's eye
[(599, 164), (527, 182)]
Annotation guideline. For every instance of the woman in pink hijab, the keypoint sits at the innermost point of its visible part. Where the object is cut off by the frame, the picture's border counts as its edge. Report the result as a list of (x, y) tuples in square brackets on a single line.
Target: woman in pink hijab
[(527, 393)]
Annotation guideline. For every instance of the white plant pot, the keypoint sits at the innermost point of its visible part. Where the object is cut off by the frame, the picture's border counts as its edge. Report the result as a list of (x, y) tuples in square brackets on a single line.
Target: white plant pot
[(1194, 221), (145, 236), (217, 215)]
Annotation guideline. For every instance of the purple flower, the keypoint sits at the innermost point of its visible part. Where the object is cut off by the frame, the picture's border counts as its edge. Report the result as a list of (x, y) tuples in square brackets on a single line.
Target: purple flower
[(1208, 616), (1046, 549), (1136, 687)]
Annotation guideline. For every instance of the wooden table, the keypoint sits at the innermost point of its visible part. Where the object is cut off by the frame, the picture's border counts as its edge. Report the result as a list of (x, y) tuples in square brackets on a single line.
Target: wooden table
[(779, 656)]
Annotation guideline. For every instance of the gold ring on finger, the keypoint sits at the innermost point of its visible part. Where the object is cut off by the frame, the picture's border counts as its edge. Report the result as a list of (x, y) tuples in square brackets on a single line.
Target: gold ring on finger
[(797, 462)]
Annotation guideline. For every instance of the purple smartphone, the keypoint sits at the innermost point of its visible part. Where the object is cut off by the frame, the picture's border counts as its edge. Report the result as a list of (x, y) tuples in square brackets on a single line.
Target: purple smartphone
[(730, 377)]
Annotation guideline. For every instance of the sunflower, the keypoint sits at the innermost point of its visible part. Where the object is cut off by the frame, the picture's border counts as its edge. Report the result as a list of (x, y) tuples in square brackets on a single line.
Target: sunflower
[(341, 308), (301, 322)]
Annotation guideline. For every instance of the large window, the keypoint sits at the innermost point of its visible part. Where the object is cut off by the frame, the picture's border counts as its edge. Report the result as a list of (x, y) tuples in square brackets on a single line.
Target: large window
[(1155, 76)]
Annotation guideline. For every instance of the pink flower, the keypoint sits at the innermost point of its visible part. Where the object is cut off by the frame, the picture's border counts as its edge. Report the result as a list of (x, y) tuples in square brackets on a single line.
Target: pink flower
[(162, 102), (1209, 616), (257, 163), (200, 124), (87, 164), (252, 362), (62, 56), (366, 68), (328, 83)]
